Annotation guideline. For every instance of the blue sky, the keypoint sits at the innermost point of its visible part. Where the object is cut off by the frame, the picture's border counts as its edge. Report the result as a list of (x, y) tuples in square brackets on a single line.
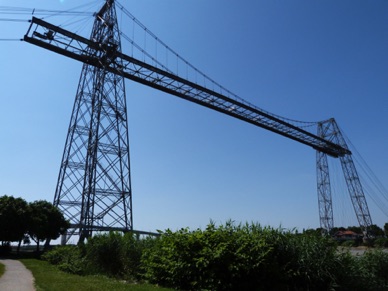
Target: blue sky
[(305, 60)]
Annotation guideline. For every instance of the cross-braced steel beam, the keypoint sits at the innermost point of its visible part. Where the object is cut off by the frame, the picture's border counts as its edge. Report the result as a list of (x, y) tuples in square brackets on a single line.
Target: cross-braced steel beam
[(94, 182)]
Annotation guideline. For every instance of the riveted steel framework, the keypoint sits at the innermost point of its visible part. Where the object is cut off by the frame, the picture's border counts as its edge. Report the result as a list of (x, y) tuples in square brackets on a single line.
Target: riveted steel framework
[(329, 130), (79, 48), (102, 60), (325, 205), (94, 188)]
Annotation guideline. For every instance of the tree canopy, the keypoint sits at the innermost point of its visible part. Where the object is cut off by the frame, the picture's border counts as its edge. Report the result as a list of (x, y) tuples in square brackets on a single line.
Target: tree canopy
[(40, 220), (14, 218), (47, 222)]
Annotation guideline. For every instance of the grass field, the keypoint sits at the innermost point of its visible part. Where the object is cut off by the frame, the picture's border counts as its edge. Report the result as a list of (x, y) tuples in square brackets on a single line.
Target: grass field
[(2, 269), (49, 278)]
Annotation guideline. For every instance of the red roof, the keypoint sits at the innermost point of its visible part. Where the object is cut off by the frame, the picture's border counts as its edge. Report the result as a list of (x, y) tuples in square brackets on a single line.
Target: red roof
[(345, 233)]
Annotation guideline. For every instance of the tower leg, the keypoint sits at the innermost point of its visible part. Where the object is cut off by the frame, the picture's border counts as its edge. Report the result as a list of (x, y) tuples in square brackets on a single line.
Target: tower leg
[(324, 193), (94, 187), (329, 130)]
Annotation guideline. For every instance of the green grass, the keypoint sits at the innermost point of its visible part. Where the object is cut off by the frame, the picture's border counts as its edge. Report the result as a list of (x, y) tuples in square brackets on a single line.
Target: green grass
[(49, 278), (2, 269)]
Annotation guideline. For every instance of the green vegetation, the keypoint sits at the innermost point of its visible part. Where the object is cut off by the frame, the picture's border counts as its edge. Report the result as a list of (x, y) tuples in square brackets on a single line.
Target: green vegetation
[(14, 218), (374, 230), (2, 269), (49, 278), (242, 257), (110, 254), (46, 222), (227, 257), (20, 221), (381, 242)]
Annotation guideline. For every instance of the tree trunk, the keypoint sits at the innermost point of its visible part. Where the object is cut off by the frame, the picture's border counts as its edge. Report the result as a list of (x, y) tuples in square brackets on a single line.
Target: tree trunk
[(47, 244), (18, 248)]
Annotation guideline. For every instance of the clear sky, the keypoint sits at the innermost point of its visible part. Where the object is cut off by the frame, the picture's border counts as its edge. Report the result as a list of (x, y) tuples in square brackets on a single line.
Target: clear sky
[(305, 60)]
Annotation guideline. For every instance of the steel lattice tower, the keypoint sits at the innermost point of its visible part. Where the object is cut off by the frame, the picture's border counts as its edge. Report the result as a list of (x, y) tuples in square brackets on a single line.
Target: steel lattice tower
[(94, 189), (325, 205), (329, 130), (94, 186)]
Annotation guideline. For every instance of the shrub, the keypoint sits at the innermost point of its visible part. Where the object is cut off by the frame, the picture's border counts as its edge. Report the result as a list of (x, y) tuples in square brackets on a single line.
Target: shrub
[(67, 258), (242, 257), (368, 272), (114, 254), (228, 257), (312, 264), (131, 257), (104, 253), (375, 262), (348, 243), (5, 248), (381, 242)]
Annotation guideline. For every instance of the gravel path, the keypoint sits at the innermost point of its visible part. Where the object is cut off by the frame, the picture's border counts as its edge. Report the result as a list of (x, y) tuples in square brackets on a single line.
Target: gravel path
[(16, 277)]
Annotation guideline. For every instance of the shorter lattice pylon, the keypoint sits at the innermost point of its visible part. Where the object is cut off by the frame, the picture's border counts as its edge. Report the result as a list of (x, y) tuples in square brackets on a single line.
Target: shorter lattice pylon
[(330, 131)]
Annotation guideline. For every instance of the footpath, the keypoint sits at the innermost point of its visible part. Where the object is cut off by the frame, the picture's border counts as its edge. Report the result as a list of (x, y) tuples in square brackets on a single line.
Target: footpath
[(16, 277)]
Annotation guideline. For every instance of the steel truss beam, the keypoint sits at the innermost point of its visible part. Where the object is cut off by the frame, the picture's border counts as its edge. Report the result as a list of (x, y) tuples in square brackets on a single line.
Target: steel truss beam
[(105, 55), (104, 63)]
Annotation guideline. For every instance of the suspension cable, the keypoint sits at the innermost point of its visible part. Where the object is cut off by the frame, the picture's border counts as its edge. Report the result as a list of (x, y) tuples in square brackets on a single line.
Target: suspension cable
[(78, 12), (11, 39), (13, 20), (74, 12), (377, 192), (221, 88), (34, 11)]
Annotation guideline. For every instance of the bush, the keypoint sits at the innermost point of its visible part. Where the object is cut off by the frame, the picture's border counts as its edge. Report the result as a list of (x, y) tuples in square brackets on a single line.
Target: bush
[(67, 258), (132, 252), (114, 254), (111, 254), (368, 272), (242, 257), (104, 253), (375, 262), (381, 243), (348, 243), (5, 248), (228, 257), (312, 264)]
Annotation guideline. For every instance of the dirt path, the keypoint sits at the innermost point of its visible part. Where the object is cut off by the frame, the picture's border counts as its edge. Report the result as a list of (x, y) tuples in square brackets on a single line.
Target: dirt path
[(16, 277)]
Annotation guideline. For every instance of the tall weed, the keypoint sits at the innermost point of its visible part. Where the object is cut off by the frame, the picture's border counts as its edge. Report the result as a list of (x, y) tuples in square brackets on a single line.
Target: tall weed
[(227, 257), (240, 257), (114, 254), (69, 259)]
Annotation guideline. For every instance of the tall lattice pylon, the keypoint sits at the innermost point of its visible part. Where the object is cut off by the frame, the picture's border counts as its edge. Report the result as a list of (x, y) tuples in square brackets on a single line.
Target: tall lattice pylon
[(329, 130), (323, 183), (94, 186)]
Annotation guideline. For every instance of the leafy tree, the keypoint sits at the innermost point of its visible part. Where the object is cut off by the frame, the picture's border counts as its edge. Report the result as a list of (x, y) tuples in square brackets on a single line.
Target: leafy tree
[(46, 222), (335, 229), (356, 229), (14, 217), (376, 230), (386, 228), (317, 231)]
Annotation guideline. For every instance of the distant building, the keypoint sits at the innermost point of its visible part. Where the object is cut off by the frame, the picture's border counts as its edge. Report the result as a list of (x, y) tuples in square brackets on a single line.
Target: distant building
[(343, 235)]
